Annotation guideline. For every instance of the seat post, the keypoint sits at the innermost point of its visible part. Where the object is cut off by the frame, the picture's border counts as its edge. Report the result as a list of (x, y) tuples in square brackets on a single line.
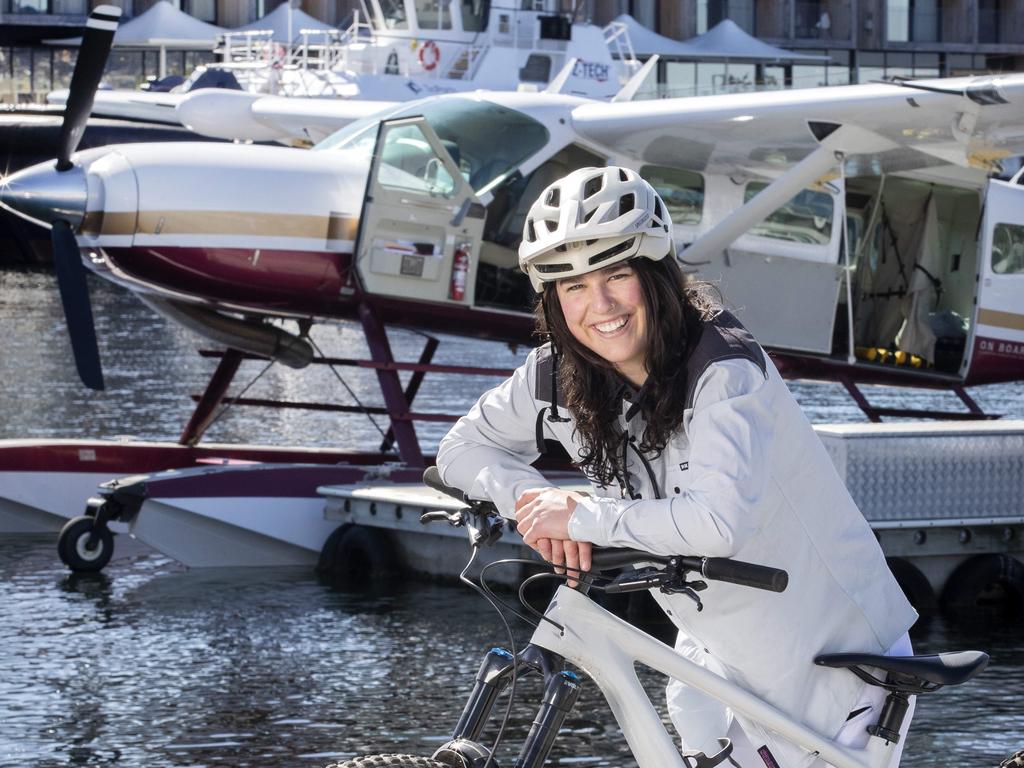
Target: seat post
[(891, 720)]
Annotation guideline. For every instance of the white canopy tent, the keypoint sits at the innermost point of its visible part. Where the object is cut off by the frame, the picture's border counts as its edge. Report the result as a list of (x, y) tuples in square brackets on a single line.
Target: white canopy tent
[(727, 42), (723, 42), (163, 27), (285, 23)]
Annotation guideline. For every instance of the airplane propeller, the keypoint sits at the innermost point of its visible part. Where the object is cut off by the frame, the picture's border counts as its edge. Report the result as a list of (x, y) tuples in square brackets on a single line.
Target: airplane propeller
[(71, 277)]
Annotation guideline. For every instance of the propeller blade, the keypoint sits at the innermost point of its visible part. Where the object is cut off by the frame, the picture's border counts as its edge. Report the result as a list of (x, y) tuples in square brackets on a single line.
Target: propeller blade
[(74, 295), (92, 58)]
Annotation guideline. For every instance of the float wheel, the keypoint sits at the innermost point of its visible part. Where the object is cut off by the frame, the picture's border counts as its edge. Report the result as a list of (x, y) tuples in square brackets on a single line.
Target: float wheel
[(72, 545)]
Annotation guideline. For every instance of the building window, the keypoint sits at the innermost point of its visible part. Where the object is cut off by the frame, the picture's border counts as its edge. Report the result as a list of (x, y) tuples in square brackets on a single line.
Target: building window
[(204, 10), (990, 22), (28, 6), (711, 12), (918, 21)]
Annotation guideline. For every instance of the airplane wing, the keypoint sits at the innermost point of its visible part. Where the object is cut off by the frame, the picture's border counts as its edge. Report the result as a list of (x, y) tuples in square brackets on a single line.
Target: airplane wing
[(955, 128), (154, 107), (230, 114)]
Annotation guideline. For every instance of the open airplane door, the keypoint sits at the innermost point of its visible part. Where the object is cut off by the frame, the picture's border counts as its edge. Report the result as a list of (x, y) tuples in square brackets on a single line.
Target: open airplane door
[(998, 350), (421, 225), (792, 259)]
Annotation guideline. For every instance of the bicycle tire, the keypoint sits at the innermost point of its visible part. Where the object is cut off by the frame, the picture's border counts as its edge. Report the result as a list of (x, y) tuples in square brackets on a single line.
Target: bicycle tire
[(388, 761)]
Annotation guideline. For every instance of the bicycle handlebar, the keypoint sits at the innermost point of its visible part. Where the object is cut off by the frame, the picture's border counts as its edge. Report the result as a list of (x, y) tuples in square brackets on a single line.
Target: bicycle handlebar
[(609, 558), (432, 479)]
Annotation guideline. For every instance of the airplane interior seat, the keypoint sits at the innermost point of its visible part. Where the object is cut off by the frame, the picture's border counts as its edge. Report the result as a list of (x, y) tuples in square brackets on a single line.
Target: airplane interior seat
[(498, 255), (545, 175)]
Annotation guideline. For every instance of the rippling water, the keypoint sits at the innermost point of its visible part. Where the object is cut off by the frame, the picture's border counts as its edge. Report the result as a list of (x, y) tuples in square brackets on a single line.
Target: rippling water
[(150, 665)]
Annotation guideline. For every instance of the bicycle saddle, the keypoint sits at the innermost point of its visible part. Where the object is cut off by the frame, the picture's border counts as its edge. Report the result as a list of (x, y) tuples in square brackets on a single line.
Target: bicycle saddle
[(924, 673)]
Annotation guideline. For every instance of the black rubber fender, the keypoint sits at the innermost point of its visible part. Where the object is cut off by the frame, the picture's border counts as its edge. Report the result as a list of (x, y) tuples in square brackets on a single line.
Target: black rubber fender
[(985, 585), (358, 552), (916, 587)]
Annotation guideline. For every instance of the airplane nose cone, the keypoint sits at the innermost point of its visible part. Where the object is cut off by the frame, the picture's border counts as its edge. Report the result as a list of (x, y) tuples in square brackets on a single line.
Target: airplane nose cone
[(42, 194)]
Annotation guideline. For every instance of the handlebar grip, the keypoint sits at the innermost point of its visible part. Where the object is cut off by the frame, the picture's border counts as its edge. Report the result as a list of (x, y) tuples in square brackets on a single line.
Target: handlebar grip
[(432, 479), (745, 574)]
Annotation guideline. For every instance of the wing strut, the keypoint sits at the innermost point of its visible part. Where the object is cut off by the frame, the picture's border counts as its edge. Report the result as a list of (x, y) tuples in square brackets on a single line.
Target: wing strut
[(835, 142)]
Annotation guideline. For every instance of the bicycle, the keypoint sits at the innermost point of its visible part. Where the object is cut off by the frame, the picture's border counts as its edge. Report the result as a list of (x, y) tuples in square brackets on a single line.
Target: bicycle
[(576, 630)]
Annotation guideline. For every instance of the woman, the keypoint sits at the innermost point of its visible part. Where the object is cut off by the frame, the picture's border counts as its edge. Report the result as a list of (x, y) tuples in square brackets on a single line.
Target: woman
[(694, 446)]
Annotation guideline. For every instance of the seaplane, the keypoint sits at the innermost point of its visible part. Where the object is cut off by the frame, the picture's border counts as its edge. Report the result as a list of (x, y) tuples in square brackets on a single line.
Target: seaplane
[(863, 233)]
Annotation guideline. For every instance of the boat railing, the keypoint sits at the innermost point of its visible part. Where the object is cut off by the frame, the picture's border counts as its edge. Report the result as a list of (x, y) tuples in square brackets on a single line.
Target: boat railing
[(620, 45)]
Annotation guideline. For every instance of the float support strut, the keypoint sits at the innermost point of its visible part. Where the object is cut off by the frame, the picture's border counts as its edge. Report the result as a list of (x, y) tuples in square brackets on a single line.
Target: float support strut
[(203, 415), (391, 388), (413, 387)]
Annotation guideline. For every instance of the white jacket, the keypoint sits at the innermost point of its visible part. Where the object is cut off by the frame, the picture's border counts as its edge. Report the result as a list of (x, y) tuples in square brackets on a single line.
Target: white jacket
[(746, 477)]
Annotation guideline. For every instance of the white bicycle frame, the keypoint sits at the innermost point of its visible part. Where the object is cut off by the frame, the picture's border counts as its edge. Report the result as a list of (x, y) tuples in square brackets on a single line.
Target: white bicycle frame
[(606, 648)]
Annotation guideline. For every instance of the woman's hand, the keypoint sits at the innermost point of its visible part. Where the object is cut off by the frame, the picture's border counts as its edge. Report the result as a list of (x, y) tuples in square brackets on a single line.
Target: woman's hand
[(543, 520), (574, 555)]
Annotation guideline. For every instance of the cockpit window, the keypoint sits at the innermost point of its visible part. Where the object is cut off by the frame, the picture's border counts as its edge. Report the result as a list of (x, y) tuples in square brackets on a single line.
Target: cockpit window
[(487, 141), (394, 14)]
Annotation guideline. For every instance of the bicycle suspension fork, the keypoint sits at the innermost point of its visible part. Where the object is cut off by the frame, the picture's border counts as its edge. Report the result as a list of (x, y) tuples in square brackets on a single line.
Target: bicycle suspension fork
[(561, 690)]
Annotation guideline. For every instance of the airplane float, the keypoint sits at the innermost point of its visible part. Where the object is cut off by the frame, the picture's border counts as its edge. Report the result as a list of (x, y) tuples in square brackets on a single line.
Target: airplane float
[(858, 231)]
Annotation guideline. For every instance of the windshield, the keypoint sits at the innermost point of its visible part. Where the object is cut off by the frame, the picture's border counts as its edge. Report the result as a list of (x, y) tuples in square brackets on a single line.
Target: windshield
[(487, 141)]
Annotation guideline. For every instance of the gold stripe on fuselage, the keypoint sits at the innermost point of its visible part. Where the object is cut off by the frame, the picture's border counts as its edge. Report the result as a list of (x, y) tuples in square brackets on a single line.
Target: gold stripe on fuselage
[(230, 223), (993, 317)]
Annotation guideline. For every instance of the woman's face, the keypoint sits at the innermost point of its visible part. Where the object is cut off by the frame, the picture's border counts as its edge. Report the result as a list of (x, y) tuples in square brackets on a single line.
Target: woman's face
[(605, 312)]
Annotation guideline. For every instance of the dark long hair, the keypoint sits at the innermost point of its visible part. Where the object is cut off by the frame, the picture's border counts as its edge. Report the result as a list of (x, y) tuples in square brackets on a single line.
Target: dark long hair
[(593, 389)]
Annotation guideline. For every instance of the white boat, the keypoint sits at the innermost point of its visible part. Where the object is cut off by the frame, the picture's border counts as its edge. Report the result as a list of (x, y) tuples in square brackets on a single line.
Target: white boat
[(395, 51)]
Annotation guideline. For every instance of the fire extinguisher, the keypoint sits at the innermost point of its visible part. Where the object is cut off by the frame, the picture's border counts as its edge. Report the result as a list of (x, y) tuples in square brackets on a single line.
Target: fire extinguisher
[(460, 271)]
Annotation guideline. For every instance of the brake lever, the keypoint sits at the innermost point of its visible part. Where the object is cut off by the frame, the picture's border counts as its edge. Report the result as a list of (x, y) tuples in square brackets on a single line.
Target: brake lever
[(637, 580), (456, 519)]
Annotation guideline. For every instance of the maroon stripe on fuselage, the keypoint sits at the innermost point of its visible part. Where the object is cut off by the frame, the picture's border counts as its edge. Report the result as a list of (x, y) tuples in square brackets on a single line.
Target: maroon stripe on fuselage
[(293, 282), (994, 361)]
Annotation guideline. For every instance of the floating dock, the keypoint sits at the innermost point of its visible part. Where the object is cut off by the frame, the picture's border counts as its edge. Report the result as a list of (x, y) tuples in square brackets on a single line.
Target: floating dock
[(946, 501)]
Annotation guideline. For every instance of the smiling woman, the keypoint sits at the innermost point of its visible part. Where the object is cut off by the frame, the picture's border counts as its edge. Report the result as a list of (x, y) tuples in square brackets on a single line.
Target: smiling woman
[(656, 393)]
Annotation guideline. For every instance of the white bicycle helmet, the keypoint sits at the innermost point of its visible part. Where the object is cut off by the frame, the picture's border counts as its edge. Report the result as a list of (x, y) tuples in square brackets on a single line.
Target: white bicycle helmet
[(591, 219)]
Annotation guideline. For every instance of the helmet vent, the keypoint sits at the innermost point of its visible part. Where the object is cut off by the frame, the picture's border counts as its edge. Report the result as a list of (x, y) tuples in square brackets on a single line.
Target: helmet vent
[(627, 203), (622, 175), (553, 268), (531, 235), (589, 215), (592, 187), (551, 226), (553, 197), (657, 208), (615, 250)]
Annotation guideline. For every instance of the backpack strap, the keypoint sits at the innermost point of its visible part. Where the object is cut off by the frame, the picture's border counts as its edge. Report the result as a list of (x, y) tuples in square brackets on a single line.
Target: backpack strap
[(722, 337)]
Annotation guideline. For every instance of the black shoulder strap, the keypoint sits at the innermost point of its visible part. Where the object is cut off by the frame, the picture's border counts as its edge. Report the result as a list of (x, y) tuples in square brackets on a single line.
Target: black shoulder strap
[(722, 337), (542, 389)]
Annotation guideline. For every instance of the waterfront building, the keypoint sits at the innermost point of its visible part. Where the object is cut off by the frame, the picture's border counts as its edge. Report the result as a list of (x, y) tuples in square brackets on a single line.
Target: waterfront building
[(862, 40)]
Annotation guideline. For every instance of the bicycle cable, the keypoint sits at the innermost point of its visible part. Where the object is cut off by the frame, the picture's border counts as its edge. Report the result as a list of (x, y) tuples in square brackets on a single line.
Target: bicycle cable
[(499, 601), (515, 654)]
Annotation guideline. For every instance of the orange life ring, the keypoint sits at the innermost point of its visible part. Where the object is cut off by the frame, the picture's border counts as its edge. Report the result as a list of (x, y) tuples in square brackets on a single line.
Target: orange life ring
[(430, 55)]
